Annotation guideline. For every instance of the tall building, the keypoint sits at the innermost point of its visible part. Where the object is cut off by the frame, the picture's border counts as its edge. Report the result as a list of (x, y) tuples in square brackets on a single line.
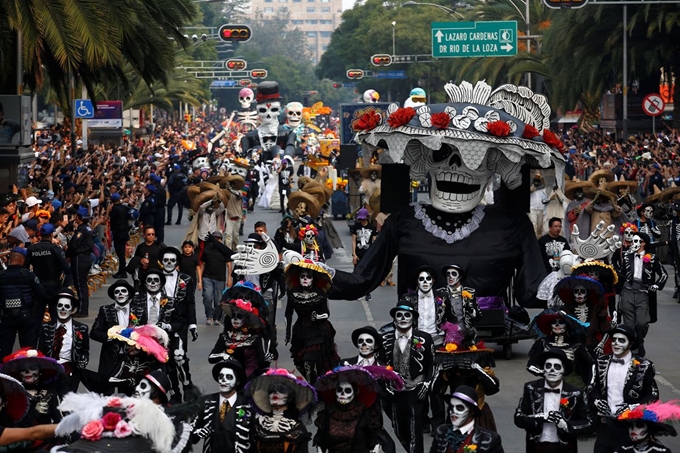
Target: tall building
[(316, 18)]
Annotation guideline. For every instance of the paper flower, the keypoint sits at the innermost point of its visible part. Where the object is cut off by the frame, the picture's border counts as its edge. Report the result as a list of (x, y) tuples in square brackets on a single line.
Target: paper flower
[(564, 402), (401, 117), (466, 294), (93, 430), (530, 132), (626, 225), (122, 430), (114, 402), (134, 320), (110, 420), (164, 302), (417, 343), (470, 448), (551, 139), (440, 120), (79, 335), (439, 301), (498, 128), (636, 362), (647, 258), (450, 347), (473, 348), (368, 121)]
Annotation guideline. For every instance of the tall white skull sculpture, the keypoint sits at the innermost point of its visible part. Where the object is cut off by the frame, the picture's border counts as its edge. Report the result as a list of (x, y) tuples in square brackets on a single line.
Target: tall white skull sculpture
[(294, 114), (245, 98)]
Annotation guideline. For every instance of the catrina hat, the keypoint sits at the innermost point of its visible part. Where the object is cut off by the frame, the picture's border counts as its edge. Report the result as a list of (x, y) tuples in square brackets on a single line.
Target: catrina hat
[(476, 119), (565, 289), (572, 186), (364, 383), (14, 394), (656, 415), (254, 317), (15, 363), (301, 196), (543, 321), (149, 338), (322, 278), (599, 270), (258, 389)]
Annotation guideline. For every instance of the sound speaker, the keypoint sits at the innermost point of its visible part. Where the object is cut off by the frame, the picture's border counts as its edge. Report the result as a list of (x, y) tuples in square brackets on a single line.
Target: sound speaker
[(348, 157), (395, 187)]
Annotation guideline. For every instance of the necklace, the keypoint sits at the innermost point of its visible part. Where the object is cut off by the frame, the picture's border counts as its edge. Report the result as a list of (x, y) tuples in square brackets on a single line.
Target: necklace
[(449, 227)]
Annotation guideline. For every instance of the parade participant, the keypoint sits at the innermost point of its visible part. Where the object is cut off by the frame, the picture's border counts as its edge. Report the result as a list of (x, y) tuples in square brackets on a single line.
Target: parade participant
[(79, 251), (216, 268), (552, 244), (582, 298), (370, 183), (146, 257), (312, 337), (463, 432), (410, 353), (147, 211), (368, 342), (154, 386), (459, 309), (607, 276), (574, 191), (602, 208), (285, 176), (66, 340), (610, 397), (161, 309), (19, 291), (308, 246), (304, 207), (624, 191), (41, 376), (159, 213), (646, 423), (176, 184), (233, 209), (363, 234), (551, 411), (538, 200), (627, 231), (120, 231), (279, 399), (645, 222), (644, 274), (224, 421)]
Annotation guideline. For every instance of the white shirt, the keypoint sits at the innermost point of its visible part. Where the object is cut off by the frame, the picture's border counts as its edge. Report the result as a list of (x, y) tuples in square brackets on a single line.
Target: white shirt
[(402, 340), (427, 313), (465, 429), (207, 223), (616, 379), (231, 400), (171, 282), (551, 403), (368, 361), (536, 199), (65, 352), (638, 265), (123, 315), (153, 307)]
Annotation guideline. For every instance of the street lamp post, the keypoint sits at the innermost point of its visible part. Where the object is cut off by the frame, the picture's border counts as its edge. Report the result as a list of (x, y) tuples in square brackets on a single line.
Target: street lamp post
[(451, 11), (394, 41)]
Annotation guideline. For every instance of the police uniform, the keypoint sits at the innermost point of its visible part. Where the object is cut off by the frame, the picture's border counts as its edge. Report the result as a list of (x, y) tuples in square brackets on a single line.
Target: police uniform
[(80, 253), (147, 212), (49, 263)]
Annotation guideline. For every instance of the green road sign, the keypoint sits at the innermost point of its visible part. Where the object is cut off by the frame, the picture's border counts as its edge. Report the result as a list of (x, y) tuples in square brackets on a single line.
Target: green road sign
[(474, 39)]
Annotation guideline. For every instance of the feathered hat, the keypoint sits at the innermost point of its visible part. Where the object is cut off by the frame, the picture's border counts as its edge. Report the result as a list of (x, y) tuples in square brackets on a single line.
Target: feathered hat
[(258, 389), (656, 415), (363, 381), (13, 364), (149, 338)]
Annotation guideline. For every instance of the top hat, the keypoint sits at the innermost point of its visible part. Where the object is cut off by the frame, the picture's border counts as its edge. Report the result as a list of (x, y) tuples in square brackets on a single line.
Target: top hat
[(404, 305), (557, 353), (369, 330), (267, 92), (468, 395)]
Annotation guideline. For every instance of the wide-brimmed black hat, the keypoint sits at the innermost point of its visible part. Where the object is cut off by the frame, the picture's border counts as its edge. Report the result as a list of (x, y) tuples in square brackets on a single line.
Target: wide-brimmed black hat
[(557, 353), (121, 283), (404, 305), (369, 330), (629, 332), (235, 366), (174, 250), (469, 396)]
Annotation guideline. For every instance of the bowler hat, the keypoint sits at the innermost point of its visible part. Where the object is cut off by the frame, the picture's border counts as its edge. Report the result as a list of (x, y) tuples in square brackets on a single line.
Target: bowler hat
[(235, 366), (370, 331), (469, 396), (557, 353), (629, 332), (404, 305), (121, 283)]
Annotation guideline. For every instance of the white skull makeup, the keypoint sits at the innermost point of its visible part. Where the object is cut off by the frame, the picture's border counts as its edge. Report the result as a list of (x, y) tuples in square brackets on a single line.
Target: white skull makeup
[(366, 345), (635, 243), (620, 344), (310, 236), (374, 175), (580, 294), (30, 375), (237, 320), (638, 431), (152, 283), (403, 319), (245, 97), (169, 261), (278, 398), (143, 389), (559, 327), (648, 212), (294, 114), (306, 279), (425, 282), (344, 392), (121, 295), (269, 113), (460, 412), (238, 170), (452, 277), (554, 371), (200, 163), (64, 308), (628, 234), (226, 380)]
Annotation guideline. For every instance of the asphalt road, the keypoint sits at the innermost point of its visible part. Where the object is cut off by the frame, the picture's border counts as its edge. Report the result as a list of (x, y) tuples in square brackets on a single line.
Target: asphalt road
[(662, 342)]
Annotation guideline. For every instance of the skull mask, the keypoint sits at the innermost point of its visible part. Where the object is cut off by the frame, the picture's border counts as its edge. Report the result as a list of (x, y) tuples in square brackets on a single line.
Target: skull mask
[(143, 389), (237, 320), (301, 209), (554, 371), (153, 283), (64, 308), (294, 114), (403, 319), (269, 114), (306, 279), (636, 243), (628, 235), (310, 236), (366, 345), (452, 277), (200, 163), (648, 212), (121, 295), (226, 380), (245, 98), (425, 282), (580, 294), (238, 170), (638, 431), (169, 262), (30, 375), (460, 412), (558, 326), (620, 344), (344, 392), (374, 175)]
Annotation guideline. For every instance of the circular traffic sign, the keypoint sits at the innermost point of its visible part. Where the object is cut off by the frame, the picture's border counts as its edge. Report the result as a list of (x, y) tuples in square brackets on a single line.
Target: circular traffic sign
[(653, 105), (223, 110)]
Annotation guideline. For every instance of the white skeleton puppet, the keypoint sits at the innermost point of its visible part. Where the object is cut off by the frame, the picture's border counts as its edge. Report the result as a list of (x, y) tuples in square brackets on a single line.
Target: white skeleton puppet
[(247, 116), (294, 116)]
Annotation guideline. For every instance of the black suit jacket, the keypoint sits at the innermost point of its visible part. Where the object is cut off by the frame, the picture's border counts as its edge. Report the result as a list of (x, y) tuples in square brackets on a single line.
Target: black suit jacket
[(653, 272), (640, 386), (443, 311), (421, 357), (110, 355), (485, 440), (185, 300), (80, 348), (171, 311), (285, 139), (231, 435)]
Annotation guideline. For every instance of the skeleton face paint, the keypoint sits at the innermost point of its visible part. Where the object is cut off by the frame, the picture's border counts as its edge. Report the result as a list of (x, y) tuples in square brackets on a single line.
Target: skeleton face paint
[(374, 175), (143, 389), (344, 393), (278, 398), (226, 380), (460, 412), (554, 371), (64, 308), (306, 279), (558, 326), (620, 344), (152, 283), (366, 345), (425, 282), (623, 191), (269, 113), (628, 235), (245, 97), (237, 320), (452, 277), (403, 319), (294, 114), (580, 294), (301, 209), (30, 375), (638, 431), (121, 295), (169, 261), (578, 193), (310, 237), (636, 243), (648, 212)]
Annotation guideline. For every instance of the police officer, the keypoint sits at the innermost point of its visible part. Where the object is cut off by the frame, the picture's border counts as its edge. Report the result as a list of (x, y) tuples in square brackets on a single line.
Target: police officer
[(147, 212), (120, 230), (80, 253), (19, 290), (49, 264), (159, 215)]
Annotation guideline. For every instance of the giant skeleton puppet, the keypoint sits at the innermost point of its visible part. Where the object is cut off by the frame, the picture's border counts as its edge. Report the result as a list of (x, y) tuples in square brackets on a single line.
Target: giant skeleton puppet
[(247, 116), (270, 136)]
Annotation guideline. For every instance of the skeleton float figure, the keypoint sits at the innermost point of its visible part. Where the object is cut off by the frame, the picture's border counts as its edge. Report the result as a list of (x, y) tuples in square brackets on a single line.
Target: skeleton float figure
[(247, 116)]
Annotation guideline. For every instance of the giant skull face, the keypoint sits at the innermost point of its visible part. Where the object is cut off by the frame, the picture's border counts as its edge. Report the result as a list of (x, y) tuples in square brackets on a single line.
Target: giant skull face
[(366, 345), (269, 113), (226, 380), (152, 283), (554, 371), (121, 295), (64, 308), (200, 163), (425, 282), (460, 412), (294, 114), (403, 319), (628, 234), (580, 294), (30, 375), (620, 344), (169, 261), (245, 97), (143, 389), (635, 243), (344, 392)]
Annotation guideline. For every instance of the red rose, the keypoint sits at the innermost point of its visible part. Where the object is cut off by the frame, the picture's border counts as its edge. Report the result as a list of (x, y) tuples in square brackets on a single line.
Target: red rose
[(530, 132), (93, 430), (498, 128), (110, 420), (368, 121), (440, 120), (114, 402), (551, 139), (401, 116)]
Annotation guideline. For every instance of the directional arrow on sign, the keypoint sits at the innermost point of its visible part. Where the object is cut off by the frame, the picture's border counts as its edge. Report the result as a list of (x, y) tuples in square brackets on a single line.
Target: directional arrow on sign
[(507, 47), (439, 36)]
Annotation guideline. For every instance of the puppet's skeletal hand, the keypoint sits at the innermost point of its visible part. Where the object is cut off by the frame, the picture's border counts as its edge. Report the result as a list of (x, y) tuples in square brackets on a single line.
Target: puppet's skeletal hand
[(377, 449), (251, 261), (597, 245)]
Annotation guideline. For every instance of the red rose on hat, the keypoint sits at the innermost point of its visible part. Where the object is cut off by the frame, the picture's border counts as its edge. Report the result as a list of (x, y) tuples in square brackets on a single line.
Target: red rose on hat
[(530, 132), (93, 430), (551, 139), (440, 120), (498, 128), (401, 116), (110, 420), (368, 121)]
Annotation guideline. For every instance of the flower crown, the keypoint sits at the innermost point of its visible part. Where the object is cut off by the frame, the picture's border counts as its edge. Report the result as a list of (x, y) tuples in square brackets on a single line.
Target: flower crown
[(627, 225), (303, 231)]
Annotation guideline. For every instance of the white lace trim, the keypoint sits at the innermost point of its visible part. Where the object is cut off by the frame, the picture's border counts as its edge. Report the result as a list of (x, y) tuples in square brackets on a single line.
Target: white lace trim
[(441, 233)]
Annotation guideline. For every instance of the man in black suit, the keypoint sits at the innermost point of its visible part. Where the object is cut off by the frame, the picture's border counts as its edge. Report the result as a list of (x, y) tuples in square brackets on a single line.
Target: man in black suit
[(411, 353), (224, 423), (369, 342), (120, 231), (66, 340), (463, 431), (160, 309), (645, 275), (553, 412), (622, 380)]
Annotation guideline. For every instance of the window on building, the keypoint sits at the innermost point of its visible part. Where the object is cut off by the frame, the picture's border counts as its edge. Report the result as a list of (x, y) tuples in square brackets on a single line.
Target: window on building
[(311, 34), (325, 9), (324, 47), (311, 9), (325, 1), (268, 1), (325, 34), (297, 22), (268, 10), (311, 22), (325, 21)]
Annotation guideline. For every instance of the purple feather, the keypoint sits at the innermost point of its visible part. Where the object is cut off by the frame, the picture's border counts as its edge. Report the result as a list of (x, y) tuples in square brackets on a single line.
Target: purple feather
[(453, 333)]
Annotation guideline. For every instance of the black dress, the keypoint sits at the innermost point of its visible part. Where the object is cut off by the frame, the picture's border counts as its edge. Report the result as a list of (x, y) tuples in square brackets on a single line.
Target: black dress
[(349, 428)]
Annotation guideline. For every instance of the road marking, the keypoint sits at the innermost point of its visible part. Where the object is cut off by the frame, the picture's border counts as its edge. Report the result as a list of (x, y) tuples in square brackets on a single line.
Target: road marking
[(367, 309), (663, 381)]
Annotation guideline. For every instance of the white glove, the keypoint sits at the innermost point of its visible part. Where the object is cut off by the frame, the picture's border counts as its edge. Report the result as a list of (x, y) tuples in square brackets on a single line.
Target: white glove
[(377, 449), (533, 369), (558, 419), (653, 288), (203, 433), (165, 326)]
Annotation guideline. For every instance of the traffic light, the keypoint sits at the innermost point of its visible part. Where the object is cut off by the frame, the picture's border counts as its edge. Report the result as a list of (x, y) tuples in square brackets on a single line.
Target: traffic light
[(258, 73), (355, 74), (245, 82), (235, 33), (381, 60), (337, 85), (236, 64)]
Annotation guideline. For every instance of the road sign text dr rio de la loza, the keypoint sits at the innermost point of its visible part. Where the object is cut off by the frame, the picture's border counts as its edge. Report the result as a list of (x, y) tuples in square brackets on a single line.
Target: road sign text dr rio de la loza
[(474, 39)]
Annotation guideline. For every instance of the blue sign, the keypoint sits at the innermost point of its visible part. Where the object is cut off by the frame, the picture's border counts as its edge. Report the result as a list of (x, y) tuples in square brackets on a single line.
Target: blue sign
[(391, 74), (223, 83), (349, 85), (84, 109)]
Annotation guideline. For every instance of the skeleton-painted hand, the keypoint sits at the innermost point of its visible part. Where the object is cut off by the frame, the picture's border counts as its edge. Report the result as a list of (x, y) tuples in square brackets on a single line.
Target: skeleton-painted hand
[(602, 407), (316, 317), (268, 357), (614, 322), (251, 261), (653, 288), (623, 407), (377, 449), (194, 332), (203, 433), (533, 369), (597, 245), (165, 326), (423, 389), (557, 418)]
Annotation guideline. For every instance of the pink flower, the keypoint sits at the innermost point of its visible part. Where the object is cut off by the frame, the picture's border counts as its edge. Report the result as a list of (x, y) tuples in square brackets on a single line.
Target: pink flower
[(114, 402), (110, 421), (123, 429), (93, 430)]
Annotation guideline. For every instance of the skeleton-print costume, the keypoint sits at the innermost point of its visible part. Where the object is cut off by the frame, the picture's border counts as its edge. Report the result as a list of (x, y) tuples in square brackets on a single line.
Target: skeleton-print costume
[(582, 299), (246, 115), (648, 226)]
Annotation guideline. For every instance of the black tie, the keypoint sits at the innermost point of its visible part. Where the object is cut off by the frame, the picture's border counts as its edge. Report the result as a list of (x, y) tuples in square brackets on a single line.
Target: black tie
[(456, 438), (59, 340), (618, 361), (552, 390)]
